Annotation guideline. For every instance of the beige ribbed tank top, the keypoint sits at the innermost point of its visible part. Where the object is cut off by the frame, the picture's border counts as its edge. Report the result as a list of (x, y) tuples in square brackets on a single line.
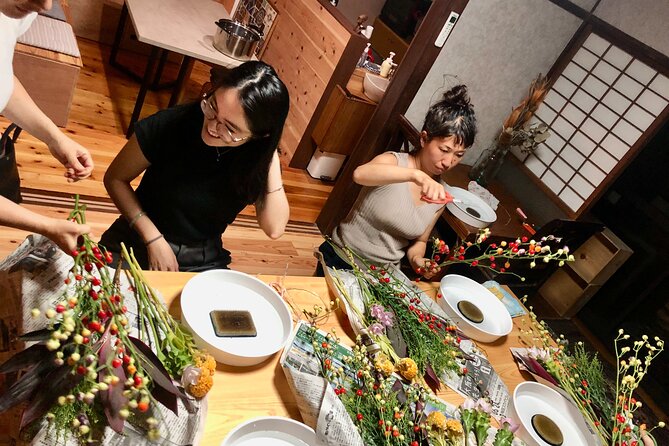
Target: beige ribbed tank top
[(384, 220)]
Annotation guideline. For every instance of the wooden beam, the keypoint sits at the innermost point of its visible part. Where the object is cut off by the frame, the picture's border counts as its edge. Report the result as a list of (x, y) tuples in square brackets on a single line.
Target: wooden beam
[(405, 84)]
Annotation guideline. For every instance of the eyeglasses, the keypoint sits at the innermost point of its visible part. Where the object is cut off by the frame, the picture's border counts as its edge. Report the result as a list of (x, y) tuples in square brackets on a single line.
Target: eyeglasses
[(223, 131)]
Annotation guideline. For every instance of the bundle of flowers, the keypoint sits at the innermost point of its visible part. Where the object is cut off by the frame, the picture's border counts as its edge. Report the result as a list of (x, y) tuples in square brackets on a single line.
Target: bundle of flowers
[(390, 407), (523, 112), (404, 321), (608, 407), (87, 371), (497, 257)]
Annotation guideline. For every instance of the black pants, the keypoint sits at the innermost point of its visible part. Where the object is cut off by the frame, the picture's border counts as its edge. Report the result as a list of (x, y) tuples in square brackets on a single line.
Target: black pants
[(192, 256)]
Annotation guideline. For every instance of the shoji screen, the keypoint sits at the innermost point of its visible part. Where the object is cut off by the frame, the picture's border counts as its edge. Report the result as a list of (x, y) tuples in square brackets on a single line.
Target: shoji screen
[(597, 110)]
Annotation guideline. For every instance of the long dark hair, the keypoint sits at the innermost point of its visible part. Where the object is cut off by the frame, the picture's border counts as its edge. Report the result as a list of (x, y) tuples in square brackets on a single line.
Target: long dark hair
[(265, 101), (452, 116)]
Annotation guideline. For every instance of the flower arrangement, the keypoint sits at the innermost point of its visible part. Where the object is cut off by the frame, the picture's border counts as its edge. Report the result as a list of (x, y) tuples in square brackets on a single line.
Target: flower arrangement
[(496, 256), (86, 371), (514, 132), (394, 307), (608, 407), (389, 407)]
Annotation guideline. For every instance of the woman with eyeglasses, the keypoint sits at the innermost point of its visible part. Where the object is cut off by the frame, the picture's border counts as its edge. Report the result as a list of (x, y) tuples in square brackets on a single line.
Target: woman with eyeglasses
[(404, 195), (203, 163)]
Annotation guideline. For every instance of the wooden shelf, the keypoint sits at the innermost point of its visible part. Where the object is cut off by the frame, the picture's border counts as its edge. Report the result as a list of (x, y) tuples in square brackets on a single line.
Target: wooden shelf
[(571, 287)]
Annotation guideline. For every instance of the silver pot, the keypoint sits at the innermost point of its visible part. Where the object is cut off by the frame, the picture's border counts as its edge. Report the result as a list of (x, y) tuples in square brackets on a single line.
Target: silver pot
[(236, 40)]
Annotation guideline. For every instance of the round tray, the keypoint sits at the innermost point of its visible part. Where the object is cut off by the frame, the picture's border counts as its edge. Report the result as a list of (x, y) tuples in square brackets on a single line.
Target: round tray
[(471, 209), (272, 431), (232, 290), (496, 319), (532, 398)]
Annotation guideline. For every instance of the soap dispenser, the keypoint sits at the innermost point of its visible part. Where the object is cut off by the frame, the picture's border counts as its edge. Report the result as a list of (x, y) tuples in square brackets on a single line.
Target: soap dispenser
[(387, 65), (364, 55)]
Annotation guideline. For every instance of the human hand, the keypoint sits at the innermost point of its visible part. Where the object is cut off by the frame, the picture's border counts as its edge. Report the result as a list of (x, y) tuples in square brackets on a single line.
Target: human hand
[(432, 190), (425, 267), (161, 257), (65, 233), (75, 157)]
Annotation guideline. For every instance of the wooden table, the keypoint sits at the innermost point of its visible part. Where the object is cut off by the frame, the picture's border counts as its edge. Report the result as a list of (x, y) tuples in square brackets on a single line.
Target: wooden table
[(241, 393), (508, 223), (184, 27)]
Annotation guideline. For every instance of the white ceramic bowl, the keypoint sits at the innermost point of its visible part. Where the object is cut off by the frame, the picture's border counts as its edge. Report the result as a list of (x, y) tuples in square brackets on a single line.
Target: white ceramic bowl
[(272, 431), (232, 290), (531, 398), (471, 209), (374, 86), (496, 319)]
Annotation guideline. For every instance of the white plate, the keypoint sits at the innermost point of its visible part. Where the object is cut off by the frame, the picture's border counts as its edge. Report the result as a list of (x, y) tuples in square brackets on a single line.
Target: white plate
[(531, 398), (471, 209), (272, 431), (232, 290), (496, 319)]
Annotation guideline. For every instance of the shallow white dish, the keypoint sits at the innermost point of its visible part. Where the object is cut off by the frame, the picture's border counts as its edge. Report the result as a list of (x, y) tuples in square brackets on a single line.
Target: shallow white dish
[(470, 208), (271, 431), (496, 319), (232, 290), (374, 86), (531, 398)]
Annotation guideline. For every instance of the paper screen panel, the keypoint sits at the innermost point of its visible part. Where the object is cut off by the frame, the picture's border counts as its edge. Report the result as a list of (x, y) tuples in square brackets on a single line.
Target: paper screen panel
[(597, 109)]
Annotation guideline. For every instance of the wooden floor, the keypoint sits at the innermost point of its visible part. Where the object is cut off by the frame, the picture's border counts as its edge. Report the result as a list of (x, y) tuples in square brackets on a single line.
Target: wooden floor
[(103, 102)]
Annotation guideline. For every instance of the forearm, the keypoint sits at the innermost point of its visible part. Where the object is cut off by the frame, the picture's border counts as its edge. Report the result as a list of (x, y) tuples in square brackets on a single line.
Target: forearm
[(15, 216), (126, 201), (416, 254), (23, 111), (272, 209), (380, 174)]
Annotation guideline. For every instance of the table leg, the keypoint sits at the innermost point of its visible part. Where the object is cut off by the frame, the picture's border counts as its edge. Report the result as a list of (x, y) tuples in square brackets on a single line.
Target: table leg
[(159, 71), (184, 73), (119, 34), (151, 63)]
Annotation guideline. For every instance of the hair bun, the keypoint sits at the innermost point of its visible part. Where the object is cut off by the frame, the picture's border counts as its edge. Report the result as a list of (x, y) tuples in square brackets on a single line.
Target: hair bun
[(457, 96)]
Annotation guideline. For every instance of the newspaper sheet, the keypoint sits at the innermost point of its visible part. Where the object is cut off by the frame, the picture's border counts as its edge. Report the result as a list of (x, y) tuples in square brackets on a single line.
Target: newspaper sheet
[(481, 379), (33, 277)]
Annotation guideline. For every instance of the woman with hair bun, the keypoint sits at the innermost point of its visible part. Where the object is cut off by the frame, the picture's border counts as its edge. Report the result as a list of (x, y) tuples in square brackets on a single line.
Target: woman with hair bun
[(403, 195), (203, 163)]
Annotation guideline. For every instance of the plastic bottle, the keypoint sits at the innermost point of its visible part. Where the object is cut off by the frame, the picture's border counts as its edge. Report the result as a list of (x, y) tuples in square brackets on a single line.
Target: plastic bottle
[(363, 56), (387, 65)]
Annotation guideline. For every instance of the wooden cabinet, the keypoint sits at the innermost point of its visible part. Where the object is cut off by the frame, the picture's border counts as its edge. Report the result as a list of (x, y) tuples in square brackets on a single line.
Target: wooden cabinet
[(572, 286), (342, 122), (384, 40)]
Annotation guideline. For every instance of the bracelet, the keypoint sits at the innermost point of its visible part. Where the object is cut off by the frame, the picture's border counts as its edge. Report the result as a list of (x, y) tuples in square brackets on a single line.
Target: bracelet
[(274, 190), (135, 218), (153, 240)]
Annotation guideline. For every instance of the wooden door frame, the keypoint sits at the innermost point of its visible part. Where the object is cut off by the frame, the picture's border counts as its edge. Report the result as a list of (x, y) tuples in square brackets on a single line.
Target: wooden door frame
[(406, 82)]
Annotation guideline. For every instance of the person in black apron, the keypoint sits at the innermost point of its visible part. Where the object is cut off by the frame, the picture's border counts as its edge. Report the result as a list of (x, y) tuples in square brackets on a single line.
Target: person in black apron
[(203, 163)]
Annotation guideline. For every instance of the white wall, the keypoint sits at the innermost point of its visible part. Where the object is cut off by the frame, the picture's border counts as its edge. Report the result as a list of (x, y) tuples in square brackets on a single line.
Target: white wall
[(496, 48), (645, 20)]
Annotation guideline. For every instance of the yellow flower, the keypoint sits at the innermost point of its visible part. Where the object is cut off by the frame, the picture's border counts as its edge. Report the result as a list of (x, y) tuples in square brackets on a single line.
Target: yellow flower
[(382, 364), (454, 428), (437, 421), (407, 368), (202, 386)]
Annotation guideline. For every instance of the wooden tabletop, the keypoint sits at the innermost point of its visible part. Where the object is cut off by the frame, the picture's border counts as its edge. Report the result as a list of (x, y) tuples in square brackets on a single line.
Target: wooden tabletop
[(508, 223), (242, 393), (185, 27)]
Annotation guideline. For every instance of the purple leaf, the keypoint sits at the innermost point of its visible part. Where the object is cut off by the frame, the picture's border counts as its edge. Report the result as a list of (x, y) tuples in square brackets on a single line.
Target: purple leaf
[(538, 369), (166, 398), (56, 383), (431, 378), (155, 369), (25, 358), (24, 388), (112, 399), (39, 335), (398, 388)]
